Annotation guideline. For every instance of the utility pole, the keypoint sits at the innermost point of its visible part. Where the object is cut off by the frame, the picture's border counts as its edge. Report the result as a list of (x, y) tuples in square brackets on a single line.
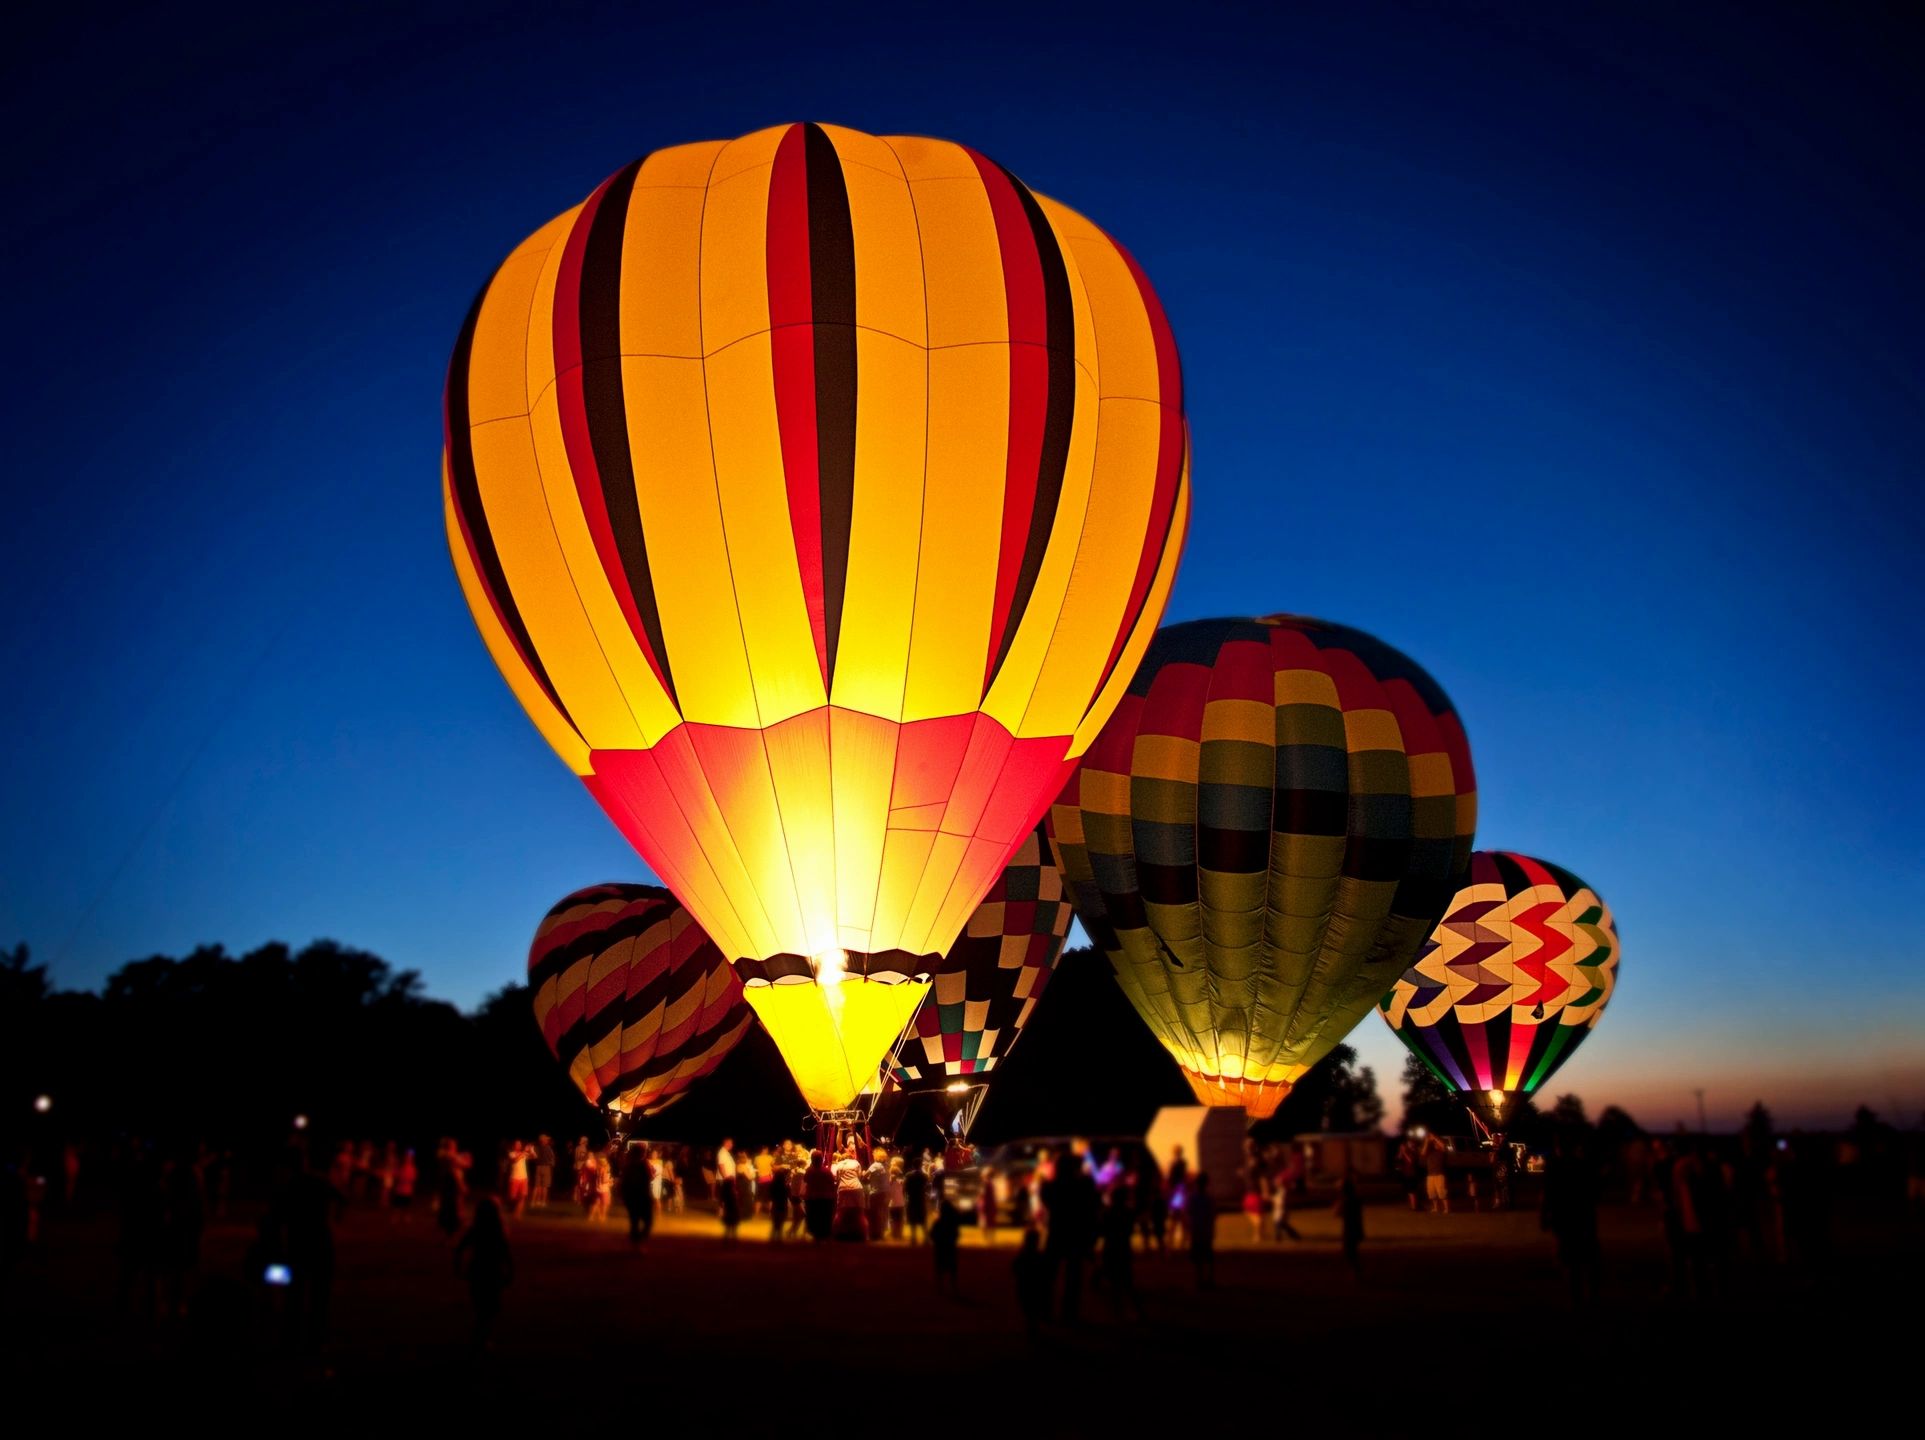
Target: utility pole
[(1702, 1127)]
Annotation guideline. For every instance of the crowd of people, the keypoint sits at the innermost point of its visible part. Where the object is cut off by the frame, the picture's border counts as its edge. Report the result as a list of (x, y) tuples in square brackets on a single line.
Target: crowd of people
[(1752, 1199)]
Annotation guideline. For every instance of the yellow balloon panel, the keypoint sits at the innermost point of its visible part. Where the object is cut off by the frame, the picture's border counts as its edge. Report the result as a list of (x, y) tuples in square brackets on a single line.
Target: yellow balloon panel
[(835, 1036)]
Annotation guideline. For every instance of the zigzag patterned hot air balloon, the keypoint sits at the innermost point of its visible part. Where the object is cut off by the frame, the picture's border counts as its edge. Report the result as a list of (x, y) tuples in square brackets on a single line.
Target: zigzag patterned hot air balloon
[(817, 494), (1262, 837), (634, 1000), (1511, 981), (992, 977)]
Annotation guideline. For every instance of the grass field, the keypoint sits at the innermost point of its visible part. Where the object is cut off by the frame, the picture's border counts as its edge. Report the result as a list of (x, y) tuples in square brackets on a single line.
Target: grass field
[(1447, 1307)]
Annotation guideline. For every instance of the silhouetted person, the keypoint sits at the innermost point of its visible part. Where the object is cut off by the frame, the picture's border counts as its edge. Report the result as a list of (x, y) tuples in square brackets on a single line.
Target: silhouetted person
[(447, 1188), (1502, 1164), (1804, 1199), (183, 1218), (1176, 1202), (1714, 1218), (945, 1237), (638, 1194), (778, 1198), (1119, 1263), (1437, 1174), (727, 1198), (1031, 1268), (544, 1172), (1070, 1200), (915, 1198), (1688, 1200), (1570, 1214), (1202, 1220), (483, 1257), (1748, 1194), (1350, 1216), (1410, 1170), (142, 1218), (1152, 1211), (819, 1197), (306, 1209)]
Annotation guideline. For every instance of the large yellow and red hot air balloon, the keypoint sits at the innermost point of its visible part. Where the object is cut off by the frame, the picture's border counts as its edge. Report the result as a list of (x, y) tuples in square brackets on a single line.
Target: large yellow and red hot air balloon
[(817, 493)]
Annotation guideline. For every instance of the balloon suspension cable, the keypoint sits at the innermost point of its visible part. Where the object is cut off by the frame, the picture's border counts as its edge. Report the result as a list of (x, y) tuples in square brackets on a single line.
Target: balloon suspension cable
[(970, 1106), (1477, 1121), (888, 1066)]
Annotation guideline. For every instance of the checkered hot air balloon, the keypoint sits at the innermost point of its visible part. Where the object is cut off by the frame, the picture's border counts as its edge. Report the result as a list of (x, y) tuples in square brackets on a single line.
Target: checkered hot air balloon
[(817, 493), (1262, 838), (1510, 982), (989, 982), (634, 1000)]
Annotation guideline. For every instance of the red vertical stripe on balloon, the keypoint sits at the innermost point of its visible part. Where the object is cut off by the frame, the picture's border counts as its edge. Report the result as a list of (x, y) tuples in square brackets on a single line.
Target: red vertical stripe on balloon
[(571, 404), (1480, 1056), (792, 346), (1521, 1037)]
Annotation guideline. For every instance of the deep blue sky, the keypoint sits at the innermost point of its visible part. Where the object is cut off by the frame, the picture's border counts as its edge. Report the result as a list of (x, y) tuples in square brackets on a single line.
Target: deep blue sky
[(1577, 355)]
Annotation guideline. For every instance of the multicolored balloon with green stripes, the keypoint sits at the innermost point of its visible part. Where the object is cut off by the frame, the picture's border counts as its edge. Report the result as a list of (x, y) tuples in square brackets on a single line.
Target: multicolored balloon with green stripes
[(1261, 839), (1512, 980)]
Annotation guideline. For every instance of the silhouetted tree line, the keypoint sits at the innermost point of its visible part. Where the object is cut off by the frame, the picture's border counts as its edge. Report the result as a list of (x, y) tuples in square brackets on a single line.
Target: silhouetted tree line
[(229, 1049)]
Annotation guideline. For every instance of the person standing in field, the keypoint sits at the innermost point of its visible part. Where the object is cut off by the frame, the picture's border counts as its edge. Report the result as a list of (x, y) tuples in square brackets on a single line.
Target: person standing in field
[(945, 1237), (1436, 1175), (519, 1154), (482, 1257), (638, 1193), (1202, 1224), (544, 1172), (728, 1201), (1350, 1215)]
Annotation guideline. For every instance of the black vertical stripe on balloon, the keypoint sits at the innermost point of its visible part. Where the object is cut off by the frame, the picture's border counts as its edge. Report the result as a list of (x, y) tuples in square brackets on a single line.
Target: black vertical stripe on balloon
[(1515, 880), (832, 308), (1059, 339), (605, 405), (467, 493)]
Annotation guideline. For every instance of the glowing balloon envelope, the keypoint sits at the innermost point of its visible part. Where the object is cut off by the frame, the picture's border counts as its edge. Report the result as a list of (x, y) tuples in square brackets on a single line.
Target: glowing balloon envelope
[(817, 493), (1512, 980), (631, 996), (988, 984), (1261, 839)]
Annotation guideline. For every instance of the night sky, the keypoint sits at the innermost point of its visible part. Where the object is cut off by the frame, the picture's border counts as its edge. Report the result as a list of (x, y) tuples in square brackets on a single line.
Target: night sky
[(1576, 355)]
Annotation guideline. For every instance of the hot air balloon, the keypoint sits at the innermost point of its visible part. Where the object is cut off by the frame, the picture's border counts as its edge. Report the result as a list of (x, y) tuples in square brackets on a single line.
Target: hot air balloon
[(986, 986), (1510, 982), (817, 494), (633, 999), (1262, 838)]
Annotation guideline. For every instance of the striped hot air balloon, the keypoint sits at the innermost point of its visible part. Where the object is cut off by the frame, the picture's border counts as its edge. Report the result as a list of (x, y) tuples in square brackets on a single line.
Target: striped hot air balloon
[(1511, 981), (634, 1000), (992, 977), (1262, 838), (817, 494)]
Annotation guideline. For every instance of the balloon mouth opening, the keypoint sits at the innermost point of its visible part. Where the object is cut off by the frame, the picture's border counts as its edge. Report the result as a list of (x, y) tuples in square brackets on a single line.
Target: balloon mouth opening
[(1258, 1099), (832, 968)]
